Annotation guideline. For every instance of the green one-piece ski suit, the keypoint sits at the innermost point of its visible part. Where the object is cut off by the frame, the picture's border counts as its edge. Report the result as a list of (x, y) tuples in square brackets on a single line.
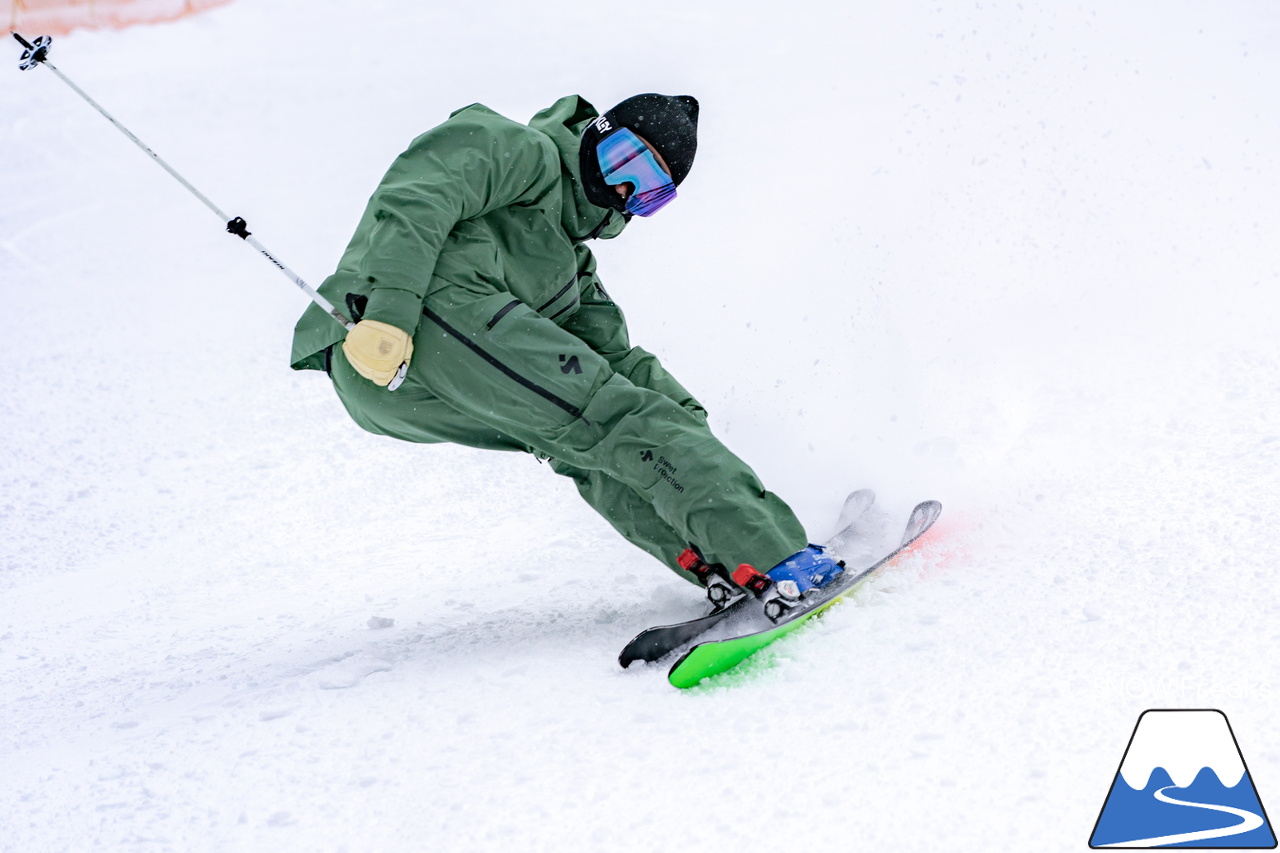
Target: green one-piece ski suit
[(474, 243)]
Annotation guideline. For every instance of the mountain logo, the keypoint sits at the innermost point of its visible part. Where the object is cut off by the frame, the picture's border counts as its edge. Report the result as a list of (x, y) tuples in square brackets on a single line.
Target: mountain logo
[(1183, 783)]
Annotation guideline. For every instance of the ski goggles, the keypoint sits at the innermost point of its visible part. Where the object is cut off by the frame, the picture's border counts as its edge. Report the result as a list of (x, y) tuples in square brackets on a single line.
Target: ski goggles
[(625, 159)]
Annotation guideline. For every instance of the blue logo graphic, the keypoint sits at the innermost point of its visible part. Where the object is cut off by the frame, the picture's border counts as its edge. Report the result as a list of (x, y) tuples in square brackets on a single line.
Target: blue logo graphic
[(1183, 783)]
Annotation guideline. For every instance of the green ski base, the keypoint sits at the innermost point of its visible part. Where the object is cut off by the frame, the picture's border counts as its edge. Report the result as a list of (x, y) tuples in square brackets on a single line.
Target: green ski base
[(712, 658)]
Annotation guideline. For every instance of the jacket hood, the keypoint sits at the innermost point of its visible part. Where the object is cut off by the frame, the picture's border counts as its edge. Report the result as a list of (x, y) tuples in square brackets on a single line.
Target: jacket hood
[(564, 122)]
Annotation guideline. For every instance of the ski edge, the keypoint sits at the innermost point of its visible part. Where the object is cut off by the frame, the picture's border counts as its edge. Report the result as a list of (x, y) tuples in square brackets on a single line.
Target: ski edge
[(646, 646), (920, 521), (653, 644)]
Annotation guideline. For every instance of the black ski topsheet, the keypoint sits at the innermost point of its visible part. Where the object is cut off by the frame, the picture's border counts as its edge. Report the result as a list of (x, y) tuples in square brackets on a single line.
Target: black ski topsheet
[(654, 644)]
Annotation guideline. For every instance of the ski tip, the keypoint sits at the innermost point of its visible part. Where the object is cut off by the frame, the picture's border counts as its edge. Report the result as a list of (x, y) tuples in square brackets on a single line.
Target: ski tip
[(922, 518), (860, 498), (854, 507)]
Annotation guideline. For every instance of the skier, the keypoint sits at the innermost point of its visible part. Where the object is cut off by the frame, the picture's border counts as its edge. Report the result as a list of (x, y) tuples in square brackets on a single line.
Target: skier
[(470, 268)]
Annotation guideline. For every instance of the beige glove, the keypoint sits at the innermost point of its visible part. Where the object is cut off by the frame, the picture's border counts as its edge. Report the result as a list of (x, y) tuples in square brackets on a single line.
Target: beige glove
[(376, 350)]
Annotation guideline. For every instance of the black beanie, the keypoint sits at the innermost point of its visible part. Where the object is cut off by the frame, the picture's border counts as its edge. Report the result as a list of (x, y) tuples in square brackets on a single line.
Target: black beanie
[(667, 122)]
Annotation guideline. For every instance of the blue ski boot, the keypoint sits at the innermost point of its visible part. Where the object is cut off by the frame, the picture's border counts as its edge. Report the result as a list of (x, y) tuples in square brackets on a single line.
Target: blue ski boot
[(782, 587), (807, 569)]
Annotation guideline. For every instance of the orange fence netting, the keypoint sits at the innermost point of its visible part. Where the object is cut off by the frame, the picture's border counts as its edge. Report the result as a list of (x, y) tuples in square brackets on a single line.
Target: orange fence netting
[(58, 17)]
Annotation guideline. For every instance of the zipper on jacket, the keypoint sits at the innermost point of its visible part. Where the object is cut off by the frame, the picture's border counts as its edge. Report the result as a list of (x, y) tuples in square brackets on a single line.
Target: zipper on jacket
[(506, 309), (561, 292), (573, 304), (511, 374), (502, 312)]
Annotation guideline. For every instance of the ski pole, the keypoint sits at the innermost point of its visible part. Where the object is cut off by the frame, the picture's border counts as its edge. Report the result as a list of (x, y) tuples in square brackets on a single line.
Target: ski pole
[(38, 54)]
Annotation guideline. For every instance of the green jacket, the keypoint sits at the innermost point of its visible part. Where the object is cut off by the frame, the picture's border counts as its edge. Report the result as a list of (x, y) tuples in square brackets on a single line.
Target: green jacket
[(480, 200), (481, 224)]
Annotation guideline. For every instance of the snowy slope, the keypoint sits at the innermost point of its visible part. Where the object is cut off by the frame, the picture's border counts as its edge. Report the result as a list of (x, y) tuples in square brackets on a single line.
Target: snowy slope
[(1018, 257)]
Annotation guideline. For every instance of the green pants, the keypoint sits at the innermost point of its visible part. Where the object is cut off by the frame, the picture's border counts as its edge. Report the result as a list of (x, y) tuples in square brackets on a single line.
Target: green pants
[(490, 372)]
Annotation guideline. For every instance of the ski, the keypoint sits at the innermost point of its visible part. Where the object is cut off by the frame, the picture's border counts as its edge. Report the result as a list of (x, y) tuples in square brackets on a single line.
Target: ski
[(655, 643), (717, 656)]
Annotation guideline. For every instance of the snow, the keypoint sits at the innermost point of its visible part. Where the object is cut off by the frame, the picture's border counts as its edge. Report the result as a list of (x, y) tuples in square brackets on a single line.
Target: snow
[(1021, 258)]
